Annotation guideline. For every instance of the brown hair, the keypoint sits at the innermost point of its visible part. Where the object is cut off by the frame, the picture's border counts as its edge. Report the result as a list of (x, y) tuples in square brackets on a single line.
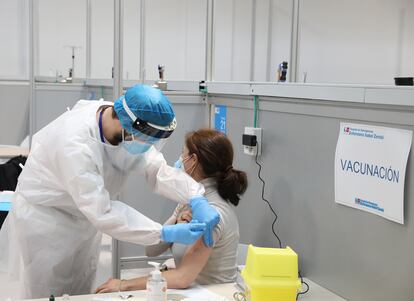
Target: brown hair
[(215, 155)]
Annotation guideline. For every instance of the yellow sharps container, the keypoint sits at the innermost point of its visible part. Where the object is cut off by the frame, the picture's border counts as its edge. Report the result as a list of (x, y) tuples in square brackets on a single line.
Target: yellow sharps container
[(271, 274)]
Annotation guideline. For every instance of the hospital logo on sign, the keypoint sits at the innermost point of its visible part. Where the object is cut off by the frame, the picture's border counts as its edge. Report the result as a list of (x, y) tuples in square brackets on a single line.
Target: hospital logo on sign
[(364, 133), (368, 204)]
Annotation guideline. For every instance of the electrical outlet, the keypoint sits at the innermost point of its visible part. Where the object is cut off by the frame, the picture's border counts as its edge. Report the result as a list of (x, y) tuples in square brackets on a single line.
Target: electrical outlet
[(252, 150)]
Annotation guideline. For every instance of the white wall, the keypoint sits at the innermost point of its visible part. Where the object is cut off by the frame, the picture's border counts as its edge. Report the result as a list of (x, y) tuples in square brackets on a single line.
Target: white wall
[(14, 25), (102, 38), (14, 113), (175, 37), (353, 41), (61, 23), (273, 26), (366, 42), (132, 22), (232, 40)]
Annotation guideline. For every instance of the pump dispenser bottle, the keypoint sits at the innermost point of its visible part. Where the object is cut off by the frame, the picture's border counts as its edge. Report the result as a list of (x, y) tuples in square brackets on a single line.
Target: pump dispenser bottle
[(156, 285)]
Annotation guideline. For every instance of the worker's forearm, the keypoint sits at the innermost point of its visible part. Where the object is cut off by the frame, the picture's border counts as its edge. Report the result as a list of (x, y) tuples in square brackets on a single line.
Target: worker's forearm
[(168, 181)]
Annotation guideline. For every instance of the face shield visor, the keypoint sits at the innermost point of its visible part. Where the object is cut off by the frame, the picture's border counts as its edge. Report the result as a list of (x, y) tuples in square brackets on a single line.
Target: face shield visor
[(145, 134)]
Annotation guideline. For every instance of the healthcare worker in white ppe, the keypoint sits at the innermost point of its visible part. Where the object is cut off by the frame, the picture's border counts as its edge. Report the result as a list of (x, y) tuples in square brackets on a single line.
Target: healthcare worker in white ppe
[(65, 197)]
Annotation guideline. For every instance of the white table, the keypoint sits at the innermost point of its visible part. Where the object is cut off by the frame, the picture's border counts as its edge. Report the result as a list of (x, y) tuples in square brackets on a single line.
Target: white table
[(316, 293), (10, 151)]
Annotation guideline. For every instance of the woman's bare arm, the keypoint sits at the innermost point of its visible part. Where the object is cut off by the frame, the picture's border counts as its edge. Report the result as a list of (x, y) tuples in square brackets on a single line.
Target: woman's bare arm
[(191, 265)]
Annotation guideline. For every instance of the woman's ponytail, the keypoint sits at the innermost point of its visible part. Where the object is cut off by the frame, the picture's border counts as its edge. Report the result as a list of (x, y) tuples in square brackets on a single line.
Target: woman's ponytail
[(231, 184)]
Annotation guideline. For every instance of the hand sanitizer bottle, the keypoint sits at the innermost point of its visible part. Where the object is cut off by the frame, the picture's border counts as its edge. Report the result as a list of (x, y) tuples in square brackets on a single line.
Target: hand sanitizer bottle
[(156, 285)]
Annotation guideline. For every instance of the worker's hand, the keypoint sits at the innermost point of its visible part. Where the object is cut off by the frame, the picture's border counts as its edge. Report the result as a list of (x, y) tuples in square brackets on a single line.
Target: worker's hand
[(204, 213), (184, 216), (186, 234), (112, 285)]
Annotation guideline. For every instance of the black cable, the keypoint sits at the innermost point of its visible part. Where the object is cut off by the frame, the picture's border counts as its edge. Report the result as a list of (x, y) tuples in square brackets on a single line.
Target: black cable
[(302, 282), (274, 222), (264, 199)]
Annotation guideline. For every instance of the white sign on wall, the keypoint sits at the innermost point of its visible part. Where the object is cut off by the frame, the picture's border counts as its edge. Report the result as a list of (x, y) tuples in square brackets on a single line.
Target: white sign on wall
[(370, 164)]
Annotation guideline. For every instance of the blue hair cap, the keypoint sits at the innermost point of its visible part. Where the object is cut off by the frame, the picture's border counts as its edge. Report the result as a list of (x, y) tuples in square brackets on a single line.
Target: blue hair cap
[(148, 104)]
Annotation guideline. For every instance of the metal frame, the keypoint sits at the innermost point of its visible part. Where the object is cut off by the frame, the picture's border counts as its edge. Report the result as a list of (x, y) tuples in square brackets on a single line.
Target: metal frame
[(269, 41), (31, 70), (118, 46), (253, 41), (117, 91), (209, 59), (233, 39), (140, 261), (142, 42), (209, 63), (88, 38), (294, 43), (351, 94)]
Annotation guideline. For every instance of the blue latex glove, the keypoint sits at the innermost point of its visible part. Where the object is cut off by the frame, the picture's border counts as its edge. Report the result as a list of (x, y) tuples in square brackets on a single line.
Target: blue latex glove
[(204, 213), (185, 234)]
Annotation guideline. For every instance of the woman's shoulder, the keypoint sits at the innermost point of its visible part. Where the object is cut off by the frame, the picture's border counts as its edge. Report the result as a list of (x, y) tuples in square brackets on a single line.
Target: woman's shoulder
[(218, 202), (224, 208), (228, 219)]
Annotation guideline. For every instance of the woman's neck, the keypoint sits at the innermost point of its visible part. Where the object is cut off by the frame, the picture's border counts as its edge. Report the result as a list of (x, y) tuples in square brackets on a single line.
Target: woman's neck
[(198, 175)]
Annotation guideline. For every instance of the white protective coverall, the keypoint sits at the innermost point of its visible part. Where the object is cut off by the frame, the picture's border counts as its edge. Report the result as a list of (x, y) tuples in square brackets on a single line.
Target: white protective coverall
[(65, 199)]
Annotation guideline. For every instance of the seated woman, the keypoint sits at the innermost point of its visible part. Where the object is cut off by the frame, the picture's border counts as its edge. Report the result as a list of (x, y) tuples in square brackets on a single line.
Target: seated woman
[(207, 157)]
